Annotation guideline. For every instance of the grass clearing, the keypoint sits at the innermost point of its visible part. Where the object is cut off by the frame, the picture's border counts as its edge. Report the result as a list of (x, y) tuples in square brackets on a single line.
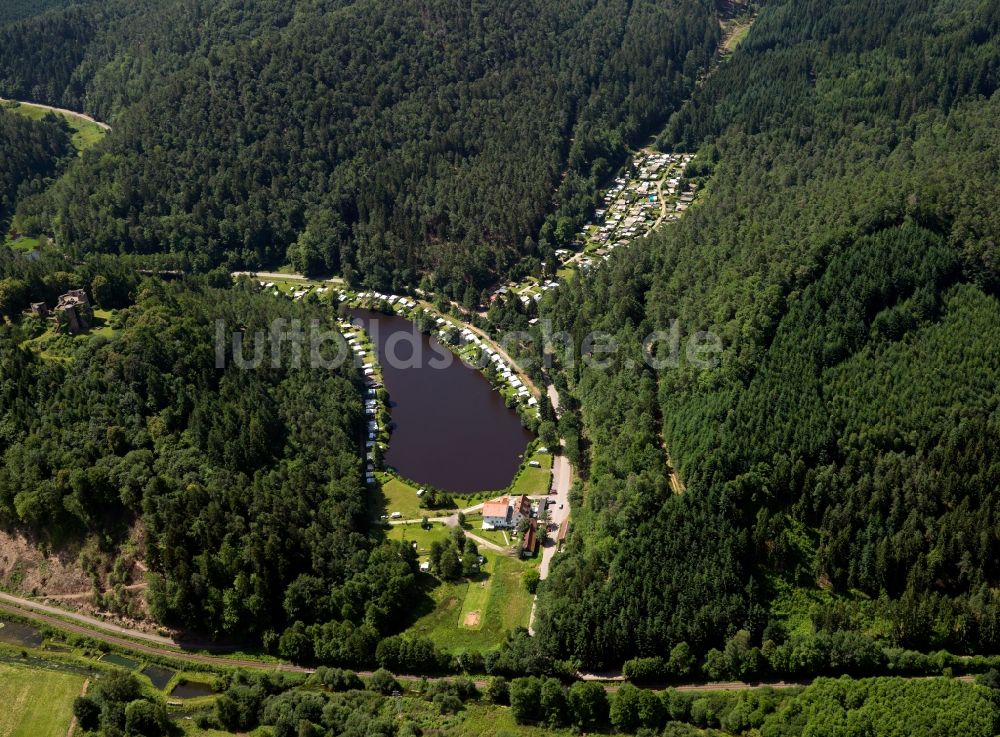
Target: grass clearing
[(414, 533), (24, 244), (535, 481), (36, 702), (396, 495), (503, 604), (474, 523), (483, 720), (102, 324), (84, 134), (476, 597), (736, 36)]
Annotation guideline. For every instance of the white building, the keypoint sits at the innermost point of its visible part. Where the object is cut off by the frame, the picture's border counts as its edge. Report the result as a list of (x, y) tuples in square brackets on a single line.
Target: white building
[(505, 513)]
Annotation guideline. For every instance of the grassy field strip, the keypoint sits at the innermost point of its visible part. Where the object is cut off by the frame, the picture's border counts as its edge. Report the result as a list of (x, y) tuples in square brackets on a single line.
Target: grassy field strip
[(509, 604), (36, 703), (476, 598)]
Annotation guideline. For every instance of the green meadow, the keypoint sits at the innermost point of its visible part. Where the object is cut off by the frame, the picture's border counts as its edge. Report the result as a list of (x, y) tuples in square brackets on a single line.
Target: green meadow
[(85, 134), (36, 702)]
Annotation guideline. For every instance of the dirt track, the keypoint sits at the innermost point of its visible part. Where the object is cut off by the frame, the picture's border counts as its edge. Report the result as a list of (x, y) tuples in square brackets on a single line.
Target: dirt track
[(63, 111), (29, 610)]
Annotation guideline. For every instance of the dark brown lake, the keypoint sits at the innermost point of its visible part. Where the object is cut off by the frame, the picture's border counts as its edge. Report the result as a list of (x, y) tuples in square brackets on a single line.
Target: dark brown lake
[(451, 429)]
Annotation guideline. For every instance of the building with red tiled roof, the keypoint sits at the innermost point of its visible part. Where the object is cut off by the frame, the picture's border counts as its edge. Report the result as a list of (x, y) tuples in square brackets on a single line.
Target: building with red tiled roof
[(522, 508), (497, 514), (529, 545), (506, 513)]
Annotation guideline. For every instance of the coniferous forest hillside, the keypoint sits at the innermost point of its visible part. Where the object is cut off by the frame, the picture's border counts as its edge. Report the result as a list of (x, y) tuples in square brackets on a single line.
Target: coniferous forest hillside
[(31, 154), (15, 10), (393, 143), (841, 460)]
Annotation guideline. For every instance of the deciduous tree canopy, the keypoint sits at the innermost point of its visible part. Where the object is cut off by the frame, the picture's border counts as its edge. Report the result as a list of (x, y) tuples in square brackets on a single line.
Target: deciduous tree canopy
[(248, 483)]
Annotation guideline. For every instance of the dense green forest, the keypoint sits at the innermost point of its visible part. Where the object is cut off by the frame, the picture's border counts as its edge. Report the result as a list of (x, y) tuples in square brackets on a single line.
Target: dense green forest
[(882, 707), (248, 484), (31, 153), (841, 460), (392, 143), (15, 10)]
